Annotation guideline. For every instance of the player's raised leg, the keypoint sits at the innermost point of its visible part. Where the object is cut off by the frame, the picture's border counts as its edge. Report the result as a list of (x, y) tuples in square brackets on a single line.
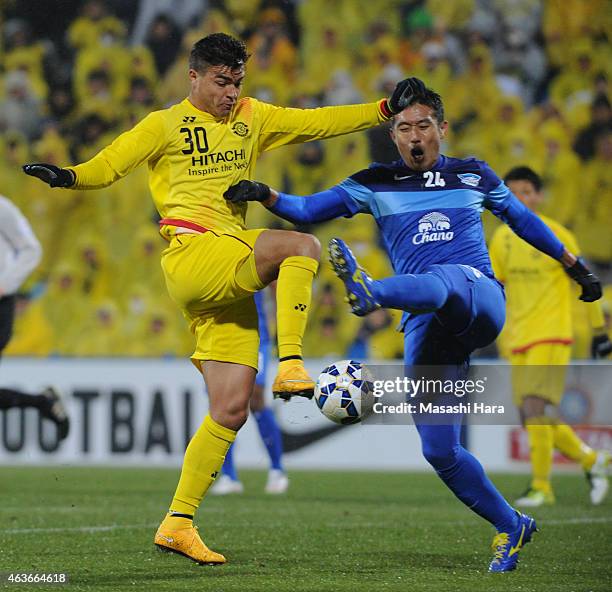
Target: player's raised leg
[(293, 259), (422, 292), (229, 389)]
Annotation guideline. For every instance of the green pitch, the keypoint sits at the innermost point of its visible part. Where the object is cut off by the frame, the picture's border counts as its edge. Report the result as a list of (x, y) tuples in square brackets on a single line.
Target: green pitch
[(332, 532)]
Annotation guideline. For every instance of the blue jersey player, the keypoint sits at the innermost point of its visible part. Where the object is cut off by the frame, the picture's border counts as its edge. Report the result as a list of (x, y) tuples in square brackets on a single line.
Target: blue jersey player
[(270, 432), (427, 207)]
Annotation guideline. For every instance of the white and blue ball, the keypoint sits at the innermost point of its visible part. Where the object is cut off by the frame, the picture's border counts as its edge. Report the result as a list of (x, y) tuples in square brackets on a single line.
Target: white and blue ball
[(341, 390)]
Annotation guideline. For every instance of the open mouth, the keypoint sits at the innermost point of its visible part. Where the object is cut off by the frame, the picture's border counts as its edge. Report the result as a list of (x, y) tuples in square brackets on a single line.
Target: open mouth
[(417, 153)]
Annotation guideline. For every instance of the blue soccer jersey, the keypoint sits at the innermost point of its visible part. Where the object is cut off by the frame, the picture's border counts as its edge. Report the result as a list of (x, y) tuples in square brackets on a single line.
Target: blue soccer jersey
[(430, 217)]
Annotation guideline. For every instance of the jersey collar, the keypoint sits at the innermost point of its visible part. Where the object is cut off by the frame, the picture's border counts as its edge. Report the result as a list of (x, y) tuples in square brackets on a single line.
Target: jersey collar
[(204, 114)]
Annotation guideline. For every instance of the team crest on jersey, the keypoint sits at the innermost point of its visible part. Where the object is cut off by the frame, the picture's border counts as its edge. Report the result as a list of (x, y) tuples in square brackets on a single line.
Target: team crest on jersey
[(470, 179), (240, 129), (433, 227)]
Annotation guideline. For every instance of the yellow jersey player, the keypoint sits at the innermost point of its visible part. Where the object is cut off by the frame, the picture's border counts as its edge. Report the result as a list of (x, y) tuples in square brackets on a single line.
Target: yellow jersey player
[(539, 337), (195, 151)]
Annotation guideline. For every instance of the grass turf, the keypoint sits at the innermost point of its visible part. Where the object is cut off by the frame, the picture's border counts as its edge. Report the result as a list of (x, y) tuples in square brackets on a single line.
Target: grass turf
[(332, 532)]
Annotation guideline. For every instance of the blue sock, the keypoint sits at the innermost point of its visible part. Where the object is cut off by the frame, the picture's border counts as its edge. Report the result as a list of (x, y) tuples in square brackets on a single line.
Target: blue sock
[(271, 436), (422, 292), (228, 467), (464, 475)]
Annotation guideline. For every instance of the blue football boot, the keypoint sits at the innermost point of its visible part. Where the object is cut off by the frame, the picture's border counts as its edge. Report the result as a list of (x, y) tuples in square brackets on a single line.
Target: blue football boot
[(506, 545), (357, 282)]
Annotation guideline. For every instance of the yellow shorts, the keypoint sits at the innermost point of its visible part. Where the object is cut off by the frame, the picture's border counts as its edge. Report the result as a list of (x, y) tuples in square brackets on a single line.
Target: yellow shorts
[(540, 371), (212, 278)]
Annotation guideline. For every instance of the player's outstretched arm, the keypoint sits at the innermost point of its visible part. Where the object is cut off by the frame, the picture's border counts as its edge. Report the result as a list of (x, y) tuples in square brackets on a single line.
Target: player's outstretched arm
[(297, 209), (50, 174), (146, 140), (282, 126)]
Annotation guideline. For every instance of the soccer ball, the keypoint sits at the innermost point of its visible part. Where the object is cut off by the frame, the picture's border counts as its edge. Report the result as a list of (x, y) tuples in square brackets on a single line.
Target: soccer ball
[(340, 389)]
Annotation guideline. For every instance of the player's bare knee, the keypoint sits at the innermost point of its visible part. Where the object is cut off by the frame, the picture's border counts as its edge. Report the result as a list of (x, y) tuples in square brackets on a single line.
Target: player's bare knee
[(234, 419), (306, 245), (533, 406)]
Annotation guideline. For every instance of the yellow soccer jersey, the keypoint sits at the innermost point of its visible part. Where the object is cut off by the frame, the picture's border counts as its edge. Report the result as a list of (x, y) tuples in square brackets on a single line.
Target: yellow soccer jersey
[(538, 291), (194, 157)]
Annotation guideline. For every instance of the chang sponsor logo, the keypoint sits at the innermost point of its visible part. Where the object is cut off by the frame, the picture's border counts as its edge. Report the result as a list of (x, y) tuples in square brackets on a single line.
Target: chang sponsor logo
[(433, 227)]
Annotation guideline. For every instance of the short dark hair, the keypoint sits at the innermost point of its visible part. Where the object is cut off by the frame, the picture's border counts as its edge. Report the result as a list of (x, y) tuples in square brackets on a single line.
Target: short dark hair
[(429, 98), (218, 49), (524, 173)]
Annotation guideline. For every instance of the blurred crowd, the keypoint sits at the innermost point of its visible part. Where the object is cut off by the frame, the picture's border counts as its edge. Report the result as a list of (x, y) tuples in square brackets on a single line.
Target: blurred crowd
[(524, 82)]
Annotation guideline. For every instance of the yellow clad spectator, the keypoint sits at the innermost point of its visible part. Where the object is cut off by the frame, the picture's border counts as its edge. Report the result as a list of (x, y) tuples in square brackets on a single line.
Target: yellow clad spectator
[(102, 334), (25, 55), (328, 42), (345, 154), (65, 308), (510, 138), (306, 172), (112, 58), (477, 81), (94, 24), (158, 336), (32, 332), (271, 38), (561, 174), (451, 15), (14, 149), (140, 266), (573, 87), (326, 336), (564, 21), (435, 70), (243, 13), (96, 274), (594, 216)]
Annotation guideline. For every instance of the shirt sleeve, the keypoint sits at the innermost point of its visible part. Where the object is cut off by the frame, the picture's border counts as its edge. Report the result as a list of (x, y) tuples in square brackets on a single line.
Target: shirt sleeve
[(25, 250), (282, 125), (310, 209), (357, 197), (145, 141)]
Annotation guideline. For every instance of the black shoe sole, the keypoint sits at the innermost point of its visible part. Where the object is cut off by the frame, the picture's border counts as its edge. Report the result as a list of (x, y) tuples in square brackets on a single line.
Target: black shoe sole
[(169, 550), (309, 394)]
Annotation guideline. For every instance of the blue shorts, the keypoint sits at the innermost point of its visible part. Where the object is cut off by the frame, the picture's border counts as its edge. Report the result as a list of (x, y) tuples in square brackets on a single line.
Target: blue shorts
[(472, 317), (262, 363)]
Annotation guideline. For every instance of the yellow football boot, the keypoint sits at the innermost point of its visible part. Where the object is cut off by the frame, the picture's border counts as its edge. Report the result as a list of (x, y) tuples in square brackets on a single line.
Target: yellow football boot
[(187, 542), (292, 380)]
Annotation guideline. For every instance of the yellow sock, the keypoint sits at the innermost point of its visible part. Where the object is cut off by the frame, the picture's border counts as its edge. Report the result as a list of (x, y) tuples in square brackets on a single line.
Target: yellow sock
[(568, 443), (540, 450), (293, 295), (203, 459)]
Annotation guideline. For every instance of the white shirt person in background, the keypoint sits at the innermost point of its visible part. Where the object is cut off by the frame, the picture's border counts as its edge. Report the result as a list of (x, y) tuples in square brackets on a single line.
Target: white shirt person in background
[(20, 253)]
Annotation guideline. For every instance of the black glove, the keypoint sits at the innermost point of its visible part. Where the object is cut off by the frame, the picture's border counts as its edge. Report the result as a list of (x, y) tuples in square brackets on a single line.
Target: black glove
[(50, 174), (247, 191), (601, 347), (403, 94), (581, 274)]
